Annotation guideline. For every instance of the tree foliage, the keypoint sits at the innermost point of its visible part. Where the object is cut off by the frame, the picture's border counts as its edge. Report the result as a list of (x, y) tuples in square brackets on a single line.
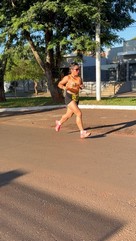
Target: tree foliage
[(24, 70), (55, 27)]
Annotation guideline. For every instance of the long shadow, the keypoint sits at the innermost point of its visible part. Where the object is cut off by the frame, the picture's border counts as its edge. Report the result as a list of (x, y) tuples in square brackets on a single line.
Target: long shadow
[(26, 112), (50, 217), (120, 126), (7, 177)]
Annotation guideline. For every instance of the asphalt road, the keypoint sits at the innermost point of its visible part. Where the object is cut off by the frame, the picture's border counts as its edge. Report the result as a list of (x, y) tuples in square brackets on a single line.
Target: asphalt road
[(56, 187)]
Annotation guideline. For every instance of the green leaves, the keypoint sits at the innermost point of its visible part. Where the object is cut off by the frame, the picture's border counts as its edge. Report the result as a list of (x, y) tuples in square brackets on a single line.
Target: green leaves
[(71, 24), (23, 69), (65, 17)]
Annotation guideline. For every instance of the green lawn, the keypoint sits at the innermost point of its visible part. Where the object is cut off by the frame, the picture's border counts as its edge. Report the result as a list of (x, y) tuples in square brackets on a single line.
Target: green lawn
[(129, 101), (44, 101)]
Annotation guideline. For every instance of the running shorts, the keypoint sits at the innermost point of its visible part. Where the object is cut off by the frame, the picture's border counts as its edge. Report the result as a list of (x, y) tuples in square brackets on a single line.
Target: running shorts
[(69, 97)]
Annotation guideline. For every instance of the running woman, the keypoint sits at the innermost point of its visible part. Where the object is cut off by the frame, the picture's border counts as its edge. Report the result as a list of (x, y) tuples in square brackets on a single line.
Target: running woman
[(72, 83)]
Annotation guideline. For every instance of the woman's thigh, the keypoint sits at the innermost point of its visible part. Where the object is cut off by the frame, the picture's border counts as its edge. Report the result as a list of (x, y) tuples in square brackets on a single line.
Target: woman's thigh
[(74, 107)]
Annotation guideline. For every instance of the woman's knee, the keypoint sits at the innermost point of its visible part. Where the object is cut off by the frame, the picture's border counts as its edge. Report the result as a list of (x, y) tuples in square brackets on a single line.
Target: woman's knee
[(79, 113)]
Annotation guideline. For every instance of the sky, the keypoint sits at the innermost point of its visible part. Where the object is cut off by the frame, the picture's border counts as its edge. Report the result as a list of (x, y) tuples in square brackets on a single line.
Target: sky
[(128, 33)]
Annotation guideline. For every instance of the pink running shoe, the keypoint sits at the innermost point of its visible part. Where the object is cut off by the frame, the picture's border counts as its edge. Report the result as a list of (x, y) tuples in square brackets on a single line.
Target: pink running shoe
[(57, 127), (84, 134)]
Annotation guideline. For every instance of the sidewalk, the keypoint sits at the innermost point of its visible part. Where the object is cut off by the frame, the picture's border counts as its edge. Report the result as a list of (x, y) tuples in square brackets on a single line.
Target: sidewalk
[(50, 107)]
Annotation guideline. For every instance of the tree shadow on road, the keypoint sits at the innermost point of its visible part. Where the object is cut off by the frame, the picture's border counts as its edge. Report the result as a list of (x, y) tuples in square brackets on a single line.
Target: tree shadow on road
[(47, 216), (8, 177), (25, 112)]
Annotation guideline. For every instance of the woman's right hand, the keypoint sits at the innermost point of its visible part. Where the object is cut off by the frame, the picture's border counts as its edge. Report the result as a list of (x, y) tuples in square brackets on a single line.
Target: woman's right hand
[(72, 87)]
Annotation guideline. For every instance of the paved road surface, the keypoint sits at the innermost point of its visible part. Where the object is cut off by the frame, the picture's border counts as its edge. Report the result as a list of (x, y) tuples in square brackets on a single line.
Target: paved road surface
[(55, 186)]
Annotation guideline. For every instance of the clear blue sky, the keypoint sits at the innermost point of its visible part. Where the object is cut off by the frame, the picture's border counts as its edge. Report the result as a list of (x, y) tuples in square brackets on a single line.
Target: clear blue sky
[(129, 32)]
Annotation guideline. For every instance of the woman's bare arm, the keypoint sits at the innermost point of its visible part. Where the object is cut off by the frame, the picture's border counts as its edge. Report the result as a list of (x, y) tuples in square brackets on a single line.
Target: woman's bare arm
[(63, 82)]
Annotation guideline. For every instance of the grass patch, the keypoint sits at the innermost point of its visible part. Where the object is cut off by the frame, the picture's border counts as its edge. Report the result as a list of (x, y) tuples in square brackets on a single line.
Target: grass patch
[(44, 101), (129, 101), (26, 102)]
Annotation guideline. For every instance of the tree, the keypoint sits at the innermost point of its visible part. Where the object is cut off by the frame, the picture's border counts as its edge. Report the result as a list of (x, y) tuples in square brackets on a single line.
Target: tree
[(55, 27), (6, 41), (25, 68), (3, 64), (2, 70)]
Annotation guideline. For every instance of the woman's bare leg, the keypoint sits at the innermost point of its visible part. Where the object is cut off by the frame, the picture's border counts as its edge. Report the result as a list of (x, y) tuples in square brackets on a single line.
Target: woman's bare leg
[(75, 109), (66, 116)]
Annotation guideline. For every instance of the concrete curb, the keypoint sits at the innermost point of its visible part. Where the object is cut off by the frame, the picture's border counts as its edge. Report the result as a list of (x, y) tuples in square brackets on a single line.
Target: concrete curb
[(35, 108), (112, 107)]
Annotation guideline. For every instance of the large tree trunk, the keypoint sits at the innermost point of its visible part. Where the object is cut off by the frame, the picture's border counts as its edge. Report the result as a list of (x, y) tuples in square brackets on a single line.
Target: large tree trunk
[(2, 93), (56, 94), (2, 71), (3, 64)]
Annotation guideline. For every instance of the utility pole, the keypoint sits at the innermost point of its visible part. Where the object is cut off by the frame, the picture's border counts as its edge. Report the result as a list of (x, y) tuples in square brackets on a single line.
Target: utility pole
[(98, 62)]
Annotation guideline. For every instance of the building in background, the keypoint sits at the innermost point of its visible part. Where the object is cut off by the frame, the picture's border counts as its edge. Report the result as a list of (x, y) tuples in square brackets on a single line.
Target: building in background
[(88, 67), (118, 71), (118, 65), (124, 59)]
